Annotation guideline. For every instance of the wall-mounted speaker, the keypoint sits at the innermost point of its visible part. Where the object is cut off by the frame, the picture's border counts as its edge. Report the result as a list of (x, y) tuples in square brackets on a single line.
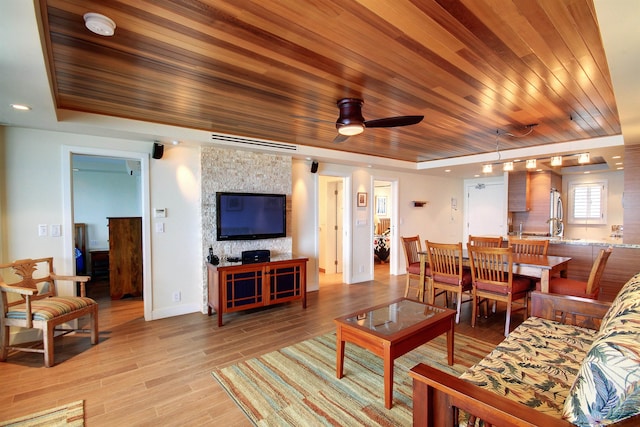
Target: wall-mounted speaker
[(158, 150), (314, 167)]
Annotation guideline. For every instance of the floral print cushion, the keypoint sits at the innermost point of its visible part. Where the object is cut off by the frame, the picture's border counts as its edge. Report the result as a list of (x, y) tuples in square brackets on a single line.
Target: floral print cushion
[(607, 387), (535, 365)]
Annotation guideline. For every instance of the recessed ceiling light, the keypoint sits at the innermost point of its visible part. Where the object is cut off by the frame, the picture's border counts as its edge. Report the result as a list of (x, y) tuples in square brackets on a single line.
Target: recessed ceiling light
[(99, 24), (447, 170), (616, 157), (620, 168), (20, 107)]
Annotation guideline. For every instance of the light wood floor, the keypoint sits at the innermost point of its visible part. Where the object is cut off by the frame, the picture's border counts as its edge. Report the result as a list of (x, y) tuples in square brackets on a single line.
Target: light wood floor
[(159, 373)]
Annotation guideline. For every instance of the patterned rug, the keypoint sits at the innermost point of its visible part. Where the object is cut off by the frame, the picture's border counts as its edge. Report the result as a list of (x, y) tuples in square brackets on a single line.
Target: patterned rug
[(297, 385), (71, 414)]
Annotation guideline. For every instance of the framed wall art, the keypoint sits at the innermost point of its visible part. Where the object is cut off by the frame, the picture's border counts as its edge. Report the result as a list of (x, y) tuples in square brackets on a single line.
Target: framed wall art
[(362, 200)]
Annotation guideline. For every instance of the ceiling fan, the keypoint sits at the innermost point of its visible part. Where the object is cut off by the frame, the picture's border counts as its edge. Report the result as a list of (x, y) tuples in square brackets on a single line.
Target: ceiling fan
[(352, 123)]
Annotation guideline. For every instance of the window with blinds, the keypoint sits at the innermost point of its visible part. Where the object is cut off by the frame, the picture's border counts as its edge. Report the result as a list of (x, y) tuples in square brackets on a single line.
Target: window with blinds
[(587, 203)]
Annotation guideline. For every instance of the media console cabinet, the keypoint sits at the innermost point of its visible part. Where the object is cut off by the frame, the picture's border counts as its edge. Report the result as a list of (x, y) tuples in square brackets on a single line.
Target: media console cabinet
[(237, 287)]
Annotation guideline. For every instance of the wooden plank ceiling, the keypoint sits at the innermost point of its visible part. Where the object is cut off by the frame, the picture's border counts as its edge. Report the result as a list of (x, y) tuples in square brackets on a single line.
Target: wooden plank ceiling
[(275, 69)]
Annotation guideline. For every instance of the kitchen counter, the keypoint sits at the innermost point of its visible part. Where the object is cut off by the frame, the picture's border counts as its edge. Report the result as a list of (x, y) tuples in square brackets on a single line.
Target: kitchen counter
[(623, 263), (615, 242)]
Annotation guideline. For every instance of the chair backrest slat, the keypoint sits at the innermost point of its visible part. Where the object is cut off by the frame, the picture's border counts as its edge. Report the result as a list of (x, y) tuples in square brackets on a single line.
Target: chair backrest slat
[(529, 246), (486, 241), (412, 247), (445, 258), (492, 265)]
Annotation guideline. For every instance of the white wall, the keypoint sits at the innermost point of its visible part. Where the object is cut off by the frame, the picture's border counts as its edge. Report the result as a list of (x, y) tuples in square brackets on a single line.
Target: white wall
[(434, 221), (34, 195), (99, 195)]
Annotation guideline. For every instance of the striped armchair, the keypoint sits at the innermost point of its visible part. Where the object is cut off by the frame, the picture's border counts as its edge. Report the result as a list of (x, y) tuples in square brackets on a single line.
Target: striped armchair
[(31, 301)]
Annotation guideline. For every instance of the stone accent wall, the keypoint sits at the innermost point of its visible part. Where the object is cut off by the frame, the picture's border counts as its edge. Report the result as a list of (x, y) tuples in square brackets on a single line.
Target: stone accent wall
[(243, 171)]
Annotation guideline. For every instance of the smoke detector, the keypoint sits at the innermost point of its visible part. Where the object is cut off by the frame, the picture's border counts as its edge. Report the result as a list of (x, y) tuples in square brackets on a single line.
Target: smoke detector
[(99, 24)]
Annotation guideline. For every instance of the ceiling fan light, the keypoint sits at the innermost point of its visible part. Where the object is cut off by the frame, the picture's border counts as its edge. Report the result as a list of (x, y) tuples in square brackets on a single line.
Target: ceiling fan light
[(556, 160), (507, 166), (99, 24), (583, 158), (351, 129), (530, 164)]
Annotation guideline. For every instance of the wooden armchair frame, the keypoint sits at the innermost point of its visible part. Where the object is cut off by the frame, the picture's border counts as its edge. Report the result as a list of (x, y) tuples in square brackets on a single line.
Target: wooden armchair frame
[(39, 307), (438, 396)]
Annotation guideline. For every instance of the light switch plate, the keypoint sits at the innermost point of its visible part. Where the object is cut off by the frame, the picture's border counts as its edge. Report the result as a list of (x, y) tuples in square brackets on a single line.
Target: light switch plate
[(42, 230), (56, 230), (159, 227)]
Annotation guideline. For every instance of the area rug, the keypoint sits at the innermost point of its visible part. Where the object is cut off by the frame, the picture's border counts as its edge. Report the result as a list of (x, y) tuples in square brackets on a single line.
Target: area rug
[(297, 385), (71, 414)]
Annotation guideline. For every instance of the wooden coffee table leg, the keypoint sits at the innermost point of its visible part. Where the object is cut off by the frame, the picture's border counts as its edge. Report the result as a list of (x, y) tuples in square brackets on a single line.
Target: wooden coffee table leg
[(388, 378), (450, 343), (339, 354)]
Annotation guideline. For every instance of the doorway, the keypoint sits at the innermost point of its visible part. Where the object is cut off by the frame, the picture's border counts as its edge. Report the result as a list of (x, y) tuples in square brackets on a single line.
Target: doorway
[(135, 163), (485, 209), (382, 229), (331, 229)]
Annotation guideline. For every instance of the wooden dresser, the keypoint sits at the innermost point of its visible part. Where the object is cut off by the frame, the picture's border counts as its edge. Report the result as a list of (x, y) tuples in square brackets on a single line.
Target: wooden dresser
[(125, 256)]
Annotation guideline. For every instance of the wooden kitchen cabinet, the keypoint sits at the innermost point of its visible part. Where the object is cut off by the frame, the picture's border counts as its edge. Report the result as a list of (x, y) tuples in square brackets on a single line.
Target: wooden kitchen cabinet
[(519, 194), (125, 257), (236, 287)]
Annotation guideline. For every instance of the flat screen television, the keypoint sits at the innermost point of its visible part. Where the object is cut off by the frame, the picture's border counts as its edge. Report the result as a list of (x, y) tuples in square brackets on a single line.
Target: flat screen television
[(250, 216)]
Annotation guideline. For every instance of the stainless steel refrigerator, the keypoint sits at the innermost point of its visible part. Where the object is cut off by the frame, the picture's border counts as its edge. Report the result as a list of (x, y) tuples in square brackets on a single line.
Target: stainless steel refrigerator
[(556, 214)]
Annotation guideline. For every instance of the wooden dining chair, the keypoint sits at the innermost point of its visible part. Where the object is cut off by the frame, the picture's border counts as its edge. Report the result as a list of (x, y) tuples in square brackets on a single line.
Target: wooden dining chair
[(578, 288), (412, 249), (486, 241), (448, 273), (493, 279), (529, 246)]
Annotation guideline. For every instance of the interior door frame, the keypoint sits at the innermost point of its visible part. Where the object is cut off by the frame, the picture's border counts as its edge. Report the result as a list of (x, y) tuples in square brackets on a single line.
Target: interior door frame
[(392, 206), (495, 180), (346, 229), (67, 207)]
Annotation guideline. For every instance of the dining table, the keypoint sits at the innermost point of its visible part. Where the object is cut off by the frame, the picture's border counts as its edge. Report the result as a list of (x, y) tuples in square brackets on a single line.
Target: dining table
[(536, 266)]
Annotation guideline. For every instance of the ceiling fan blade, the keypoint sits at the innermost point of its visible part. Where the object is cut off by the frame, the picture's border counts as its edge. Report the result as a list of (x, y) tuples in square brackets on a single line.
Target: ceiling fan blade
[(390, 122), (340, 138)]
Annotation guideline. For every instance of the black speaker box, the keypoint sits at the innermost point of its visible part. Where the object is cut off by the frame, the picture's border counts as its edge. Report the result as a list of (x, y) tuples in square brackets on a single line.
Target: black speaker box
[(158, 150), (314, 167), (259, 255)]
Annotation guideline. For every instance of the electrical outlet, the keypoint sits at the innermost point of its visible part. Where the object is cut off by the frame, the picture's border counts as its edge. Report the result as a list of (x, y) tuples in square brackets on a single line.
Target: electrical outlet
[(176, 296)]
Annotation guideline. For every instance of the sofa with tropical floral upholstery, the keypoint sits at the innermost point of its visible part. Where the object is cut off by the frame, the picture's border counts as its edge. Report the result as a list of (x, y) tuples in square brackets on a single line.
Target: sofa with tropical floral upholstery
[(574, 362)]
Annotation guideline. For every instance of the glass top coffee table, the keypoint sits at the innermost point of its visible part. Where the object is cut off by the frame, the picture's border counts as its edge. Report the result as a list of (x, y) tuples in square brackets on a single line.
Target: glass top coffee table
[(391, 330)]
